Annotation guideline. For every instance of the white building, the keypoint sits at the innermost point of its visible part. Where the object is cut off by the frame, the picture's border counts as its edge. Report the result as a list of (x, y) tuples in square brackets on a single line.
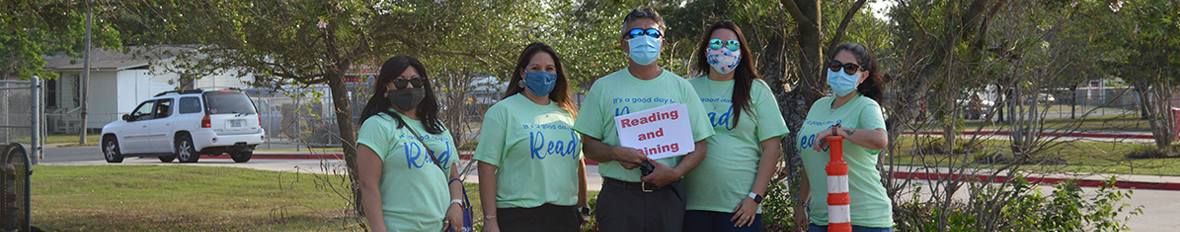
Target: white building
[(118, 82)]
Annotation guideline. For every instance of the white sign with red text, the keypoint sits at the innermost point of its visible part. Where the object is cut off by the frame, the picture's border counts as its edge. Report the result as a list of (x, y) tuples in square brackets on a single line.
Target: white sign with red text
[(659, 132)]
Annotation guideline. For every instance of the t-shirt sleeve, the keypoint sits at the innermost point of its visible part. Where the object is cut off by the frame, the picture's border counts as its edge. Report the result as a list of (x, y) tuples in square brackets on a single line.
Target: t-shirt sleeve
[(702, 128), (871, 117), (452, 158), (376, 135), (770, 118), (590, 120), (491, 137)]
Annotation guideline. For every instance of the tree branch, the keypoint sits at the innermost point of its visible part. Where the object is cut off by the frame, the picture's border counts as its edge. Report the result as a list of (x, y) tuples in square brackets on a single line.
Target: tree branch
[(844, 24), (793, 9)]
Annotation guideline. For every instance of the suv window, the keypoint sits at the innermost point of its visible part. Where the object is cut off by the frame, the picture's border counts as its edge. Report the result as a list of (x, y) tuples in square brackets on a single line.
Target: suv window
[(190, 105), (163, 108), (144, 111), (228, 103)]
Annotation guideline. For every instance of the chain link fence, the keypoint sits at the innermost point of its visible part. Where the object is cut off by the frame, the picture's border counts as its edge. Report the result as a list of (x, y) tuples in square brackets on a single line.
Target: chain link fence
[(21, 115)]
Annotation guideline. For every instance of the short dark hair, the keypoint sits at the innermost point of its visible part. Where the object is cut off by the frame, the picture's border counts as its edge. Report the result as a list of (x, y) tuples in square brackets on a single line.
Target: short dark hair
[(643, 12)]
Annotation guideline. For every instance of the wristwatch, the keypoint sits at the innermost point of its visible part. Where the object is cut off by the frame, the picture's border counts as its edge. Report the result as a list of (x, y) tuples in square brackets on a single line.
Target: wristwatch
[(585, 211), (757, 198)]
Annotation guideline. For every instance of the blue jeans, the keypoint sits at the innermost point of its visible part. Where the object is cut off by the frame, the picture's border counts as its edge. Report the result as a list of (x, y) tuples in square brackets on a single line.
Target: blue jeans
[(855, 228), (700, 220)]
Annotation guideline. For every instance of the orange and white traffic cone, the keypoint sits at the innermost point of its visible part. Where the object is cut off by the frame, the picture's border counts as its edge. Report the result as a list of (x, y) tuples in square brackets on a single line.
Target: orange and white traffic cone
[(839, 218)]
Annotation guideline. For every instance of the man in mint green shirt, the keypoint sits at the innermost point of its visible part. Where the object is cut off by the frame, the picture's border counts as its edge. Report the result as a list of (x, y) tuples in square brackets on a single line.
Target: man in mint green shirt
[(629, 201)]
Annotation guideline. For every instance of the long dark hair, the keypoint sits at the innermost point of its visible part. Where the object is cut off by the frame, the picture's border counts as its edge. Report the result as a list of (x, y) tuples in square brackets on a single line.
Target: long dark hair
[(560, 93), (378, 104), (872, 87), (743, 76)]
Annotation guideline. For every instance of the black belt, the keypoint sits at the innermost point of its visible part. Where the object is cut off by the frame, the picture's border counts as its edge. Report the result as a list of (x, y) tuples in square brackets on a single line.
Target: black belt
[(642, 186)]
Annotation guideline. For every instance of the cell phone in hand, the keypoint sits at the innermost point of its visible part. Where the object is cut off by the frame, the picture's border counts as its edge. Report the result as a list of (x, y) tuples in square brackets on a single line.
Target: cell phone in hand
[(644, 168)]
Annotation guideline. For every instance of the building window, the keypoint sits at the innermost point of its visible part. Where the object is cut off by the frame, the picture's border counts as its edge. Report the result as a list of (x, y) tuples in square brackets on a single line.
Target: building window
[(51, 93)]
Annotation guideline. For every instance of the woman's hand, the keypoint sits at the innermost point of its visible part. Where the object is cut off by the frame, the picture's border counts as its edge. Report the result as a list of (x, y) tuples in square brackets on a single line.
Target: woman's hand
[(801, 221), (744, 214), (490, 226), (454, 218), (820, 140)]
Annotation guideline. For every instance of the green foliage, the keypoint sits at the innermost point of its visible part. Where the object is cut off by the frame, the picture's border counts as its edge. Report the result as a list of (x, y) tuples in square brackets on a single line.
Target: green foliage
[(1020, 206), (778, 208), (32, 29)]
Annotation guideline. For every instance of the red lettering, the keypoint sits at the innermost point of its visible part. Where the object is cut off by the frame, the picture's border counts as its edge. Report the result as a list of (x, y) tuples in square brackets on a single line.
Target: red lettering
[(626, 123), (674, 116)]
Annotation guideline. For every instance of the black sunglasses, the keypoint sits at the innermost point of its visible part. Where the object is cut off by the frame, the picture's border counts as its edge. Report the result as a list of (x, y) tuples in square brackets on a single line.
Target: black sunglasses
[(417, 81), (849, 68), (654, 33)]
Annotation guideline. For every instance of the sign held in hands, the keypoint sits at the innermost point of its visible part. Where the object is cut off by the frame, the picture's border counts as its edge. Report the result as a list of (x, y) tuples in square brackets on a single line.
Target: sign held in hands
[(659, 132)]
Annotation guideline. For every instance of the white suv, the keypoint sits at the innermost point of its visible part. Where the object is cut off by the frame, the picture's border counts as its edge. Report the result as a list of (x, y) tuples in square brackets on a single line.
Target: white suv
[(186, 124)]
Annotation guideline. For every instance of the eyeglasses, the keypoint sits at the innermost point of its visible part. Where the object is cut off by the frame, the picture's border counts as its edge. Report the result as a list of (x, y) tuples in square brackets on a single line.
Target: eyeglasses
[(849, 68), (417, 81), (716, 44), (654, 33)]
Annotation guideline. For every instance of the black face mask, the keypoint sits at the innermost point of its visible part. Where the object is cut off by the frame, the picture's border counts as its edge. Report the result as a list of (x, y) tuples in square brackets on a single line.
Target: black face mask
[(406, 99)]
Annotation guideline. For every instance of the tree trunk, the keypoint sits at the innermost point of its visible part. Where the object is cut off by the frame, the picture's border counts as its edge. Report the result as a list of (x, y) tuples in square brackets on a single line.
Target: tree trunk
[(347, 132), (1073, 103)]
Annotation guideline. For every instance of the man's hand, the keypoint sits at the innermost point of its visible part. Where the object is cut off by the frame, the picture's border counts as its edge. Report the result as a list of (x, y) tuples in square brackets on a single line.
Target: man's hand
[(662, 175), (628, 154)]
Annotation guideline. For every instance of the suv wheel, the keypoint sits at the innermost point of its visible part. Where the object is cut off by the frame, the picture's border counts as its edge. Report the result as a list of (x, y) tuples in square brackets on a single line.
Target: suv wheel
[(167, 158), (110, 149), (185, 151), (241, 156)]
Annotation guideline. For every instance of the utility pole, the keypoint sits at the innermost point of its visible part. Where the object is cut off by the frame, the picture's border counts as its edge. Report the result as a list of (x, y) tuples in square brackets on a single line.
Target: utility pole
[(85, 88)]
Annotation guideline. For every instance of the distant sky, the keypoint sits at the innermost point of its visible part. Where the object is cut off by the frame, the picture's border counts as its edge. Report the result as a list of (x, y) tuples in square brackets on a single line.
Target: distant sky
[(881, 8)]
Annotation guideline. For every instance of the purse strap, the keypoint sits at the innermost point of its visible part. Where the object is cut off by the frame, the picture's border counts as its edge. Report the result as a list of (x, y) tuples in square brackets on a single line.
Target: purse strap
[(428, 151)]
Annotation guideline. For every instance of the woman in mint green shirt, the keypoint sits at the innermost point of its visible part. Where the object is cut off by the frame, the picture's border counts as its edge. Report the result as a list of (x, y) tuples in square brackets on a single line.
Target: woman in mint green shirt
[(724, 192), (855, 114), (404, 187), (531, 175)]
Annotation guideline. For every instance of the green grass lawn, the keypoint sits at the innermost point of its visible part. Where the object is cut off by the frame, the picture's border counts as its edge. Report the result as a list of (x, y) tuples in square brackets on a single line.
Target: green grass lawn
[(192, 198), (1123, 122), (63, 138), (1075, 156), (183, 198)]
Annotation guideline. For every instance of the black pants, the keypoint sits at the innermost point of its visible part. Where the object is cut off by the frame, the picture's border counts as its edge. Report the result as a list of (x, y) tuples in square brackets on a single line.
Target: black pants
[(547, 217), (624, 206)]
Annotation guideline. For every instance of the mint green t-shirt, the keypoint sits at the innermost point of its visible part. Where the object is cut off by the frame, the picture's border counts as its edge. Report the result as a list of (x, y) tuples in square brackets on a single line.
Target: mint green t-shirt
[(870, 205), (414, 192), (726, 176), (536, 152), (620, 93)]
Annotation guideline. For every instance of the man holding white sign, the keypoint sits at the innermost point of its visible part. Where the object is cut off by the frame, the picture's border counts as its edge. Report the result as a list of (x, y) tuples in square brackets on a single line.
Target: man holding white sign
[(630, 201)]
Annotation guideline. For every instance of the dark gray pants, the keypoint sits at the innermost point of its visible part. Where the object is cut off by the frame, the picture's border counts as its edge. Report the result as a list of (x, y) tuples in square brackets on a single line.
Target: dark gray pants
[(547, 217), (624, 207)]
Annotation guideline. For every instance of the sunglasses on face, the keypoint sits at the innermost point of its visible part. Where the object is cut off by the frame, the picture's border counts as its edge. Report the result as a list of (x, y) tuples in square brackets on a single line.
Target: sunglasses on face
[(654, 33), (401, 83), (716, 44), (849, 68)]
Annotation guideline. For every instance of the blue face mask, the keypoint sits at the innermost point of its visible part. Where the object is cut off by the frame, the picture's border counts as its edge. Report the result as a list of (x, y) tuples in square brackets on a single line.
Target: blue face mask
[(644, 49), (540, 83), (842, 83)]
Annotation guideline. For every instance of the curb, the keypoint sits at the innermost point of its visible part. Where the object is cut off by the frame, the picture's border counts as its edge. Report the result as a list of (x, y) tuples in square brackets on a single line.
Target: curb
[(1038, 180), (327, 156), (1113, 136), (462, 156)]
